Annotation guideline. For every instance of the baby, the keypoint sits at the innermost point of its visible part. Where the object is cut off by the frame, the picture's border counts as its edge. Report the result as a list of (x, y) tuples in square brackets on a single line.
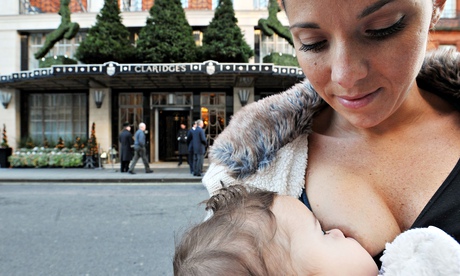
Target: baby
[(260, 233)]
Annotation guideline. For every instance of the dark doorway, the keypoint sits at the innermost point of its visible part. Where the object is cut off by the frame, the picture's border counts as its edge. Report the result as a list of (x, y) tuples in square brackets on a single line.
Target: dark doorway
[(168, 126)]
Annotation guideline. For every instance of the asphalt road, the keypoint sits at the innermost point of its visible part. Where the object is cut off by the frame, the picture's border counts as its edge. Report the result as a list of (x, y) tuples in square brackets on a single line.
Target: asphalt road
[(97, 229)]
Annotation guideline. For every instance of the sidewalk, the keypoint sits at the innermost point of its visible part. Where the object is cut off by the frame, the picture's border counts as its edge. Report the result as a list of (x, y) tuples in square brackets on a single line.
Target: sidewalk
[(164, 172)]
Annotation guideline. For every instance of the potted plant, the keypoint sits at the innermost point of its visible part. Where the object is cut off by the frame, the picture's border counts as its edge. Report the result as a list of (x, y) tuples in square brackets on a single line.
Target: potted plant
[(5, 150)]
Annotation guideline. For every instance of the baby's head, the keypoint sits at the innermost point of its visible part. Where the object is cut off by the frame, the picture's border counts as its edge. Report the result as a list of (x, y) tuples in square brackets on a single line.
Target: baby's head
[(260, 233), (239, 239)]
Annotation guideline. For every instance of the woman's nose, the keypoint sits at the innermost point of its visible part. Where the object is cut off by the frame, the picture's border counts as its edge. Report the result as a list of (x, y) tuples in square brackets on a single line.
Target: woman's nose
[(348, 65)]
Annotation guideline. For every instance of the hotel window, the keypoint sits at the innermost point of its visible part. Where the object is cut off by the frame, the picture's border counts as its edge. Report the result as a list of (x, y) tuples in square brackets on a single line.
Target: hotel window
[(131, 5), (64, 47), (215, 3), (213, 115), (184, 4), (131, 109), (270, 44), (260, 4), (166, 99), (198, 37), (450, 9), (54, 116), (448, 46)]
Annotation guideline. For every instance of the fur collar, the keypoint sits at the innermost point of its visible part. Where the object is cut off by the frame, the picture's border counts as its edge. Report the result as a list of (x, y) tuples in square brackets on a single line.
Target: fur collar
[(255, 134)]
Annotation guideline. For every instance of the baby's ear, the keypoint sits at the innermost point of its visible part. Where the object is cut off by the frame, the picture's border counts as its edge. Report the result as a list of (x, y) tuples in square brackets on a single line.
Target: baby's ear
[(438, 7)]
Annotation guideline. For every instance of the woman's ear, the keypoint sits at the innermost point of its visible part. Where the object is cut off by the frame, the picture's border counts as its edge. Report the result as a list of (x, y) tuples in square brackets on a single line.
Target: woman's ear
[(438, 7)]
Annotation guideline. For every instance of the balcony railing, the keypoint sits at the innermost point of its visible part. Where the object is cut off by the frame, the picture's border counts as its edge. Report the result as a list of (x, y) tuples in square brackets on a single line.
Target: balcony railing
[(49, 6)]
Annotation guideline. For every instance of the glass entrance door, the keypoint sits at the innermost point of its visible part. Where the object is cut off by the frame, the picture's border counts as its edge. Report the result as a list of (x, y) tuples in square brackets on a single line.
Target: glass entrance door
[(168, 127)]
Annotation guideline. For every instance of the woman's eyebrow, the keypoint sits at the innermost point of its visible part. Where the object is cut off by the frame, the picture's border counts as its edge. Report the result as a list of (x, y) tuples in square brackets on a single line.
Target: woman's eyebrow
[(373, 8), (305, 25)]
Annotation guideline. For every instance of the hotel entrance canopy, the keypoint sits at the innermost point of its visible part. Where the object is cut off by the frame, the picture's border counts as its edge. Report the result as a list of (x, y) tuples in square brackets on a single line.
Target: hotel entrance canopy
[(208, 74)]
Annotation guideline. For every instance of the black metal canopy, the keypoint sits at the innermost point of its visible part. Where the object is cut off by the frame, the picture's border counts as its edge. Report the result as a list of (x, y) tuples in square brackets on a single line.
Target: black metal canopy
[(209, 74)]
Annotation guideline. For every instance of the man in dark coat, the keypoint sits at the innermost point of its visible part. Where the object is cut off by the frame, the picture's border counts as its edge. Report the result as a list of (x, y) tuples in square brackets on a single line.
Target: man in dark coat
[(182, 139), (190, 148), (126, 143), (199, 147)]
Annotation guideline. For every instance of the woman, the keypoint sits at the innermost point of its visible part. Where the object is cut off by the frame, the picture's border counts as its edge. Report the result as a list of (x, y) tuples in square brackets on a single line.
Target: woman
[(380, 131)]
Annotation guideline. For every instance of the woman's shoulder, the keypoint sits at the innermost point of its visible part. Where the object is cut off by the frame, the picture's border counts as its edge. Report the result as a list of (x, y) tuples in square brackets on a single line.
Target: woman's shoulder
[(285, 174)]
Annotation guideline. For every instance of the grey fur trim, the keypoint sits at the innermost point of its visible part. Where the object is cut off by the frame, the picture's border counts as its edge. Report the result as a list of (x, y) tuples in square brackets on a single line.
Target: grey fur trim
[(260, 129)]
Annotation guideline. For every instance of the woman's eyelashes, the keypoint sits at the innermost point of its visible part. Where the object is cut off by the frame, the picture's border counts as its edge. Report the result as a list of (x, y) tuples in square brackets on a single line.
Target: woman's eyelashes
[(387, 32), (315, 47), (378, 34)]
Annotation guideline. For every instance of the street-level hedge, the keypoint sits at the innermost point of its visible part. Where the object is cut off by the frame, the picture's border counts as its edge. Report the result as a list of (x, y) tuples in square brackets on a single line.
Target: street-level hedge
[(42, 158)]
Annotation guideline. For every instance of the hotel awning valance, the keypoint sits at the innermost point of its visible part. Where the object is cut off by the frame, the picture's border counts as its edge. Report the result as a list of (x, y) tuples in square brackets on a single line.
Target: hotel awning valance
[(209, 74)]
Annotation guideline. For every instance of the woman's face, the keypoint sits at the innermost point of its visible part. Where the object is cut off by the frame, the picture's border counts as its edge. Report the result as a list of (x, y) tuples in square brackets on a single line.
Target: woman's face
[(361, 56)]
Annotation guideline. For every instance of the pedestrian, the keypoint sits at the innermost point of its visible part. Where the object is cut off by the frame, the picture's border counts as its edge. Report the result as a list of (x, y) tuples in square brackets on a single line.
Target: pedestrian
[(139, 150), (199, 144), (182, 140), (369, 140), (190, 148), (126, 147)]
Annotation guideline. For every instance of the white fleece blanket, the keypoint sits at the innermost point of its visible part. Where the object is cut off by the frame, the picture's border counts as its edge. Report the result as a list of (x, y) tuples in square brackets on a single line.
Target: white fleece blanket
[(421, 252)]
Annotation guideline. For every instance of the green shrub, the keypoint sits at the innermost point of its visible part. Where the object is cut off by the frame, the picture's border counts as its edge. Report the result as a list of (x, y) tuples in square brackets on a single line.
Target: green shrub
[(56, 60), (281, 59), (45, 157)]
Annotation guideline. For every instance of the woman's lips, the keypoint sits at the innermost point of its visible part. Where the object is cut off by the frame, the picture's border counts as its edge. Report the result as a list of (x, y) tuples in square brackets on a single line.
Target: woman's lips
[(357, 102)]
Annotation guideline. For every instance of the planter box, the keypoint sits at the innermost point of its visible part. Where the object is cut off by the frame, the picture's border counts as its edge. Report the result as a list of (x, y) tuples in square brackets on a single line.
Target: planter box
[(4, 154)]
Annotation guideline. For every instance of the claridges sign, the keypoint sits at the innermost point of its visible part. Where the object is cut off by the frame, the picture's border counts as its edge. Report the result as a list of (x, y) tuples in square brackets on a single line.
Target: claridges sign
[(160, 68)]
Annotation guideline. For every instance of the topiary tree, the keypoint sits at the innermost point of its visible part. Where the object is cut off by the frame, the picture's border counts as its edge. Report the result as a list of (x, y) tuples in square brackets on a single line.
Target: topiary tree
[(66, 29), (223, 40), (167, 36), (4, 138), (46, 143), (108, 39), (272, 24), (79, 145), (92, 142), (60, 144)]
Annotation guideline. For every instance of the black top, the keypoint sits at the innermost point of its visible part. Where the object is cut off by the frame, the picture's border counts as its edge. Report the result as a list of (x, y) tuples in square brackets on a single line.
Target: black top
[(442, 211)]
